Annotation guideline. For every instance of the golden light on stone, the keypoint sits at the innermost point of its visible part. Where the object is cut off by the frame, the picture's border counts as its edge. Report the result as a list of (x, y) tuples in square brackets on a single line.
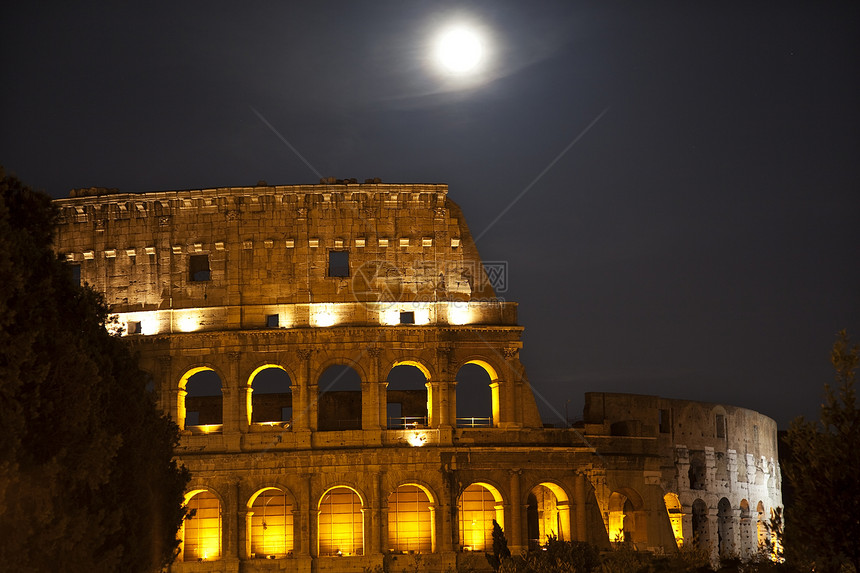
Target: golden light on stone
[(201, 534), (459, 313), (188, 322), (416, 439), (323, 315)]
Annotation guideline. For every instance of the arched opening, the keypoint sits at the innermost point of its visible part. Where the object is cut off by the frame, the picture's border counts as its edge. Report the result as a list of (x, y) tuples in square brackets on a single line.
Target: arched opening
[(547, 515), (761, 526), (627, 520), (411, 515), (201, 529), (271, 398), (748, 546), (341, 524), (200, 407), (676, 517), (477, 395), (406, 397), (701, 529), (271, 524), (725, 528), (478, 506), (696, 472), (339, 405)]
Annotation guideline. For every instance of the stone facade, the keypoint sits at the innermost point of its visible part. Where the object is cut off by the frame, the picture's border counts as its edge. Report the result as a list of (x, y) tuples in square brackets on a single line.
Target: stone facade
[(302, 281)]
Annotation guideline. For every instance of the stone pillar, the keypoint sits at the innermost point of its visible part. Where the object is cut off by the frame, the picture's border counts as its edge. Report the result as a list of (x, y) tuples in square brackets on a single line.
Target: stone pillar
[(246, 519), (247, 406), (230, 520), (308, 521), (713, 533), (165, 387), (305, 410), (515, 526), (579, 499), (177, 406), (447, 387), (687, 523), (374, 394), (509, 395), (377, 538)]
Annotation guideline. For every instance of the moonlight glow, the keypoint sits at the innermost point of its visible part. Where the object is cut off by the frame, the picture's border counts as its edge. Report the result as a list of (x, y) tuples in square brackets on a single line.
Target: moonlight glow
[(459, 49)]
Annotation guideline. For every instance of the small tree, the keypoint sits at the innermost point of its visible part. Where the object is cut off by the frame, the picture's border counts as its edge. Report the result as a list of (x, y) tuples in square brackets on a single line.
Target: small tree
[(823, 524)]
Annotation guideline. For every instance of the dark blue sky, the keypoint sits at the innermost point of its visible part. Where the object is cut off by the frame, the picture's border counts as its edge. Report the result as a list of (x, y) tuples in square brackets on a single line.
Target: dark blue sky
[(699, 241)]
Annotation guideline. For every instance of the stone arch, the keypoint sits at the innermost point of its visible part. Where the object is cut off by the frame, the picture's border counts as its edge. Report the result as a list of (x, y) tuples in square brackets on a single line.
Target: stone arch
[(628, 522), (761, 525), (407, 395), (339, 403), (269, 523), (697, 473), (201, 534), (478, 505), (476, 406), (748, 546), (340, 522), (725, 528), (204, 396), (271, 402), (547, 514), (701, 527), (676, 516), (411, 519)]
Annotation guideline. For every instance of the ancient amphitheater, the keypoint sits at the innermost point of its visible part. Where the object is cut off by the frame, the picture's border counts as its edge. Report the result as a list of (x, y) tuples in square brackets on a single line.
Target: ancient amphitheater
[(309, 339)]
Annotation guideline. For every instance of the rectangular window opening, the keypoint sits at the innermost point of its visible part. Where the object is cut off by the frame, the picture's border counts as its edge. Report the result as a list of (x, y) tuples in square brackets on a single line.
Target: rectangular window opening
[(198, 267), (407, 317), (665, 421), (338, 263), (721, 426), (76, 274), (134, 327), (272, 321)]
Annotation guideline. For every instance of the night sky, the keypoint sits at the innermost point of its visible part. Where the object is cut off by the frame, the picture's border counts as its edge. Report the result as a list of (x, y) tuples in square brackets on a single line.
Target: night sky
[(699, 239)]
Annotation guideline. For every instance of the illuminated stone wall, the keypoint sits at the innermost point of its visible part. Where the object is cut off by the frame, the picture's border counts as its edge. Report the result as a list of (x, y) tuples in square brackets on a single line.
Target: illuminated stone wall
[(232, 283), (722, 459)]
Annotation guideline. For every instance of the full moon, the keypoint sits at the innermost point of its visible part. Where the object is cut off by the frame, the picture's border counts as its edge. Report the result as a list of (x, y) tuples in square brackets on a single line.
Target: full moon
[(459, 50)]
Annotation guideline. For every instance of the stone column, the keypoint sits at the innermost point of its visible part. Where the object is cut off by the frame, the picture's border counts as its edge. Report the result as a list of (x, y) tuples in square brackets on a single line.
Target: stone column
[(374, 394), (687, 523), (579, 499), (446, 398), (509, 396), (229, 396), (713, 532), (308, 521), (230, 520), (165, 386), (177, 406), (305, 411), (377, 539), (516, 530), (246, 518)]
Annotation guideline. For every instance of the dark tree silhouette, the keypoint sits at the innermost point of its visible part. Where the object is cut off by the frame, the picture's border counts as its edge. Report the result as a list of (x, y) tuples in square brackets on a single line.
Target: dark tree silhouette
[(87, 477), (823, 523)]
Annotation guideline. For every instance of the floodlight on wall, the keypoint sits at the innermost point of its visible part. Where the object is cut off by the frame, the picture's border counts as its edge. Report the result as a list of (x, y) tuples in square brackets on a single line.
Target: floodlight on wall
[(416, 439), (323, 316), (188, 323), (459, 313)]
